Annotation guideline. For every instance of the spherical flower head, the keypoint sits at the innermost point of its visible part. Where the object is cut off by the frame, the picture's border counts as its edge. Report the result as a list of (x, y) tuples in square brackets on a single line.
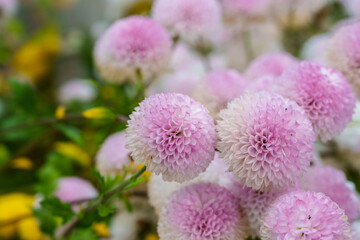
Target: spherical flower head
[(194, 21), (74, 189), (270, 64), (202, 211), (113, 156), (266, 139), (343, 53), (172, 135), (218, 88), (77, 90), (323, 93), (305, 215), (132, 44), (333, 183), (264, 83), (249, 8)]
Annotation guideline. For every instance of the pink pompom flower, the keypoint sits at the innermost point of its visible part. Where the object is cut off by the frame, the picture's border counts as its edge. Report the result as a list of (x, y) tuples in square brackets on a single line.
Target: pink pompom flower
[(194, 21), (323, 93), (270, 64), (172, 135), (202, 211), (113, 156), (343, 53), (305, 215), (333, 183), (218, 88), (132, 44), (266, 139), (264, 83), (77, 90)]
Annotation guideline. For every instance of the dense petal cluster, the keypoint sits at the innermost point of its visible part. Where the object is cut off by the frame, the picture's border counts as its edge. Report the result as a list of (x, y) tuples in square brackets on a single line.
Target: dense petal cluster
[(333, 183), (266, 139), (264, 83), (74, 189), (305, 215), (323, 93), (172, 135), (77, 90), (113, 156), (194, 21), (270, 64), (132, 44), (343, 53), (218, 88), (202, 211)]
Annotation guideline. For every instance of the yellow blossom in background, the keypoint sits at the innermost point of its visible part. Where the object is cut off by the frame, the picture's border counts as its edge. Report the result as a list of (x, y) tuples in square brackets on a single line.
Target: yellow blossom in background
[(140, 8), (73, 151), (151, 237), (22, 163), (101, 229), (146, 174), (60, 112), (28, 229), (98, 113)]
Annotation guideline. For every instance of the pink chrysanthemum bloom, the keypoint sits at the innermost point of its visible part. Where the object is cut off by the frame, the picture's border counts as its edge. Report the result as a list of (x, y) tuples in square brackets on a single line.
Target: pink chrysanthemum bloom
[(194, 21), (305, 215), (131, 44), (270, 64), (159, 190), (333, 183), (343, 53), (255, 203), (218, 88), (202, 211), (323, 93), (264, 83), (266, 139), (172, 135), (113, 156), (235, 9), (74, 189), (77, 90)]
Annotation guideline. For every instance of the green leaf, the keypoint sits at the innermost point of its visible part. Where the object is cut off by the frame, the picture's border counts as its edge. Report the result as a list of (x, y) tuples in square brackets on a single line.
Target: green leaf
[(83, 234), (105, 210), (46, 220), (57, 208), (24, 96), (135, 182), (99, 179), (4, 155), (72, 133)]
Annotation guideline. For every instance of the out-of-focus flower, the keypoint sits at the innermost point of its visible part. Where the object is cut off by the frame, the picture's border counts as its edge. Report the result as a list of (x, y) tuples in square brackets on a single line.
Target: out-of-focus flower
[(132, 44), (270, 64), (264, 83), (315, 47), (333, 183), (172, 135), (73, 151), (343, 52), (7, 7), (352, 7), (28, 229), (323, 93), (77, 90), (355, 230), (113, 156), (266, 139), (22, 163), (202, 211), (101, 229), (218, 88), (305, 214), (115, 9), (240, 9), (194, 21)]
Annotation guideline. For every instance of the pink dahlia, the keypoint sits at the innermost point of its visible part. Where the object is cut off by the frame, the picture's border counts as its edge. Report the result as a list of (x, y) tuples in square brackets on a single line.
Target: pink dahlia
[(172, 135), (202, 211), (323, 93), (270, 64), (77, 90), (266, 139), (333, 183), (218, 88), (75, 189), (343, 53), (131, 44), (113, 156), (194, 21), (305, 215)]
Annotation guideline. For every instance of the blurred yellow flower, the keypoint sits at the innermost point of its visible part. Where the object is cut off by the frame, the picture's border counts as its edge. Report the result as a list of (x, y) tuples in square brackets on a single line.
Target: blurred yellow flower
[(151, 237), (146, 174), (60, 112), (74, 151), (22, 163), (98, 113), (102, 229), (28, 229)]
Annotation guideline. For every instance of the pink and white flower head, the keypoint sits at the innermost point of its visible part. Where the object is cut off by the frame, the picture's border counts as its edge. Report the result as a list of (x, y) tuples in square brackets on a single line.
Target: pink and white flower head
[(323, 93), (8, 7), (255, 203), (264, 83), (77, 90), (132, 44), (172, 135), (218, 88), (333, 183), (195, 21), (159, 191), (314, 48), (235, 9), (266, 139), (113, 156), (305, 215), (270, 64), (343, 53), (202, 211), (75, 189)]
